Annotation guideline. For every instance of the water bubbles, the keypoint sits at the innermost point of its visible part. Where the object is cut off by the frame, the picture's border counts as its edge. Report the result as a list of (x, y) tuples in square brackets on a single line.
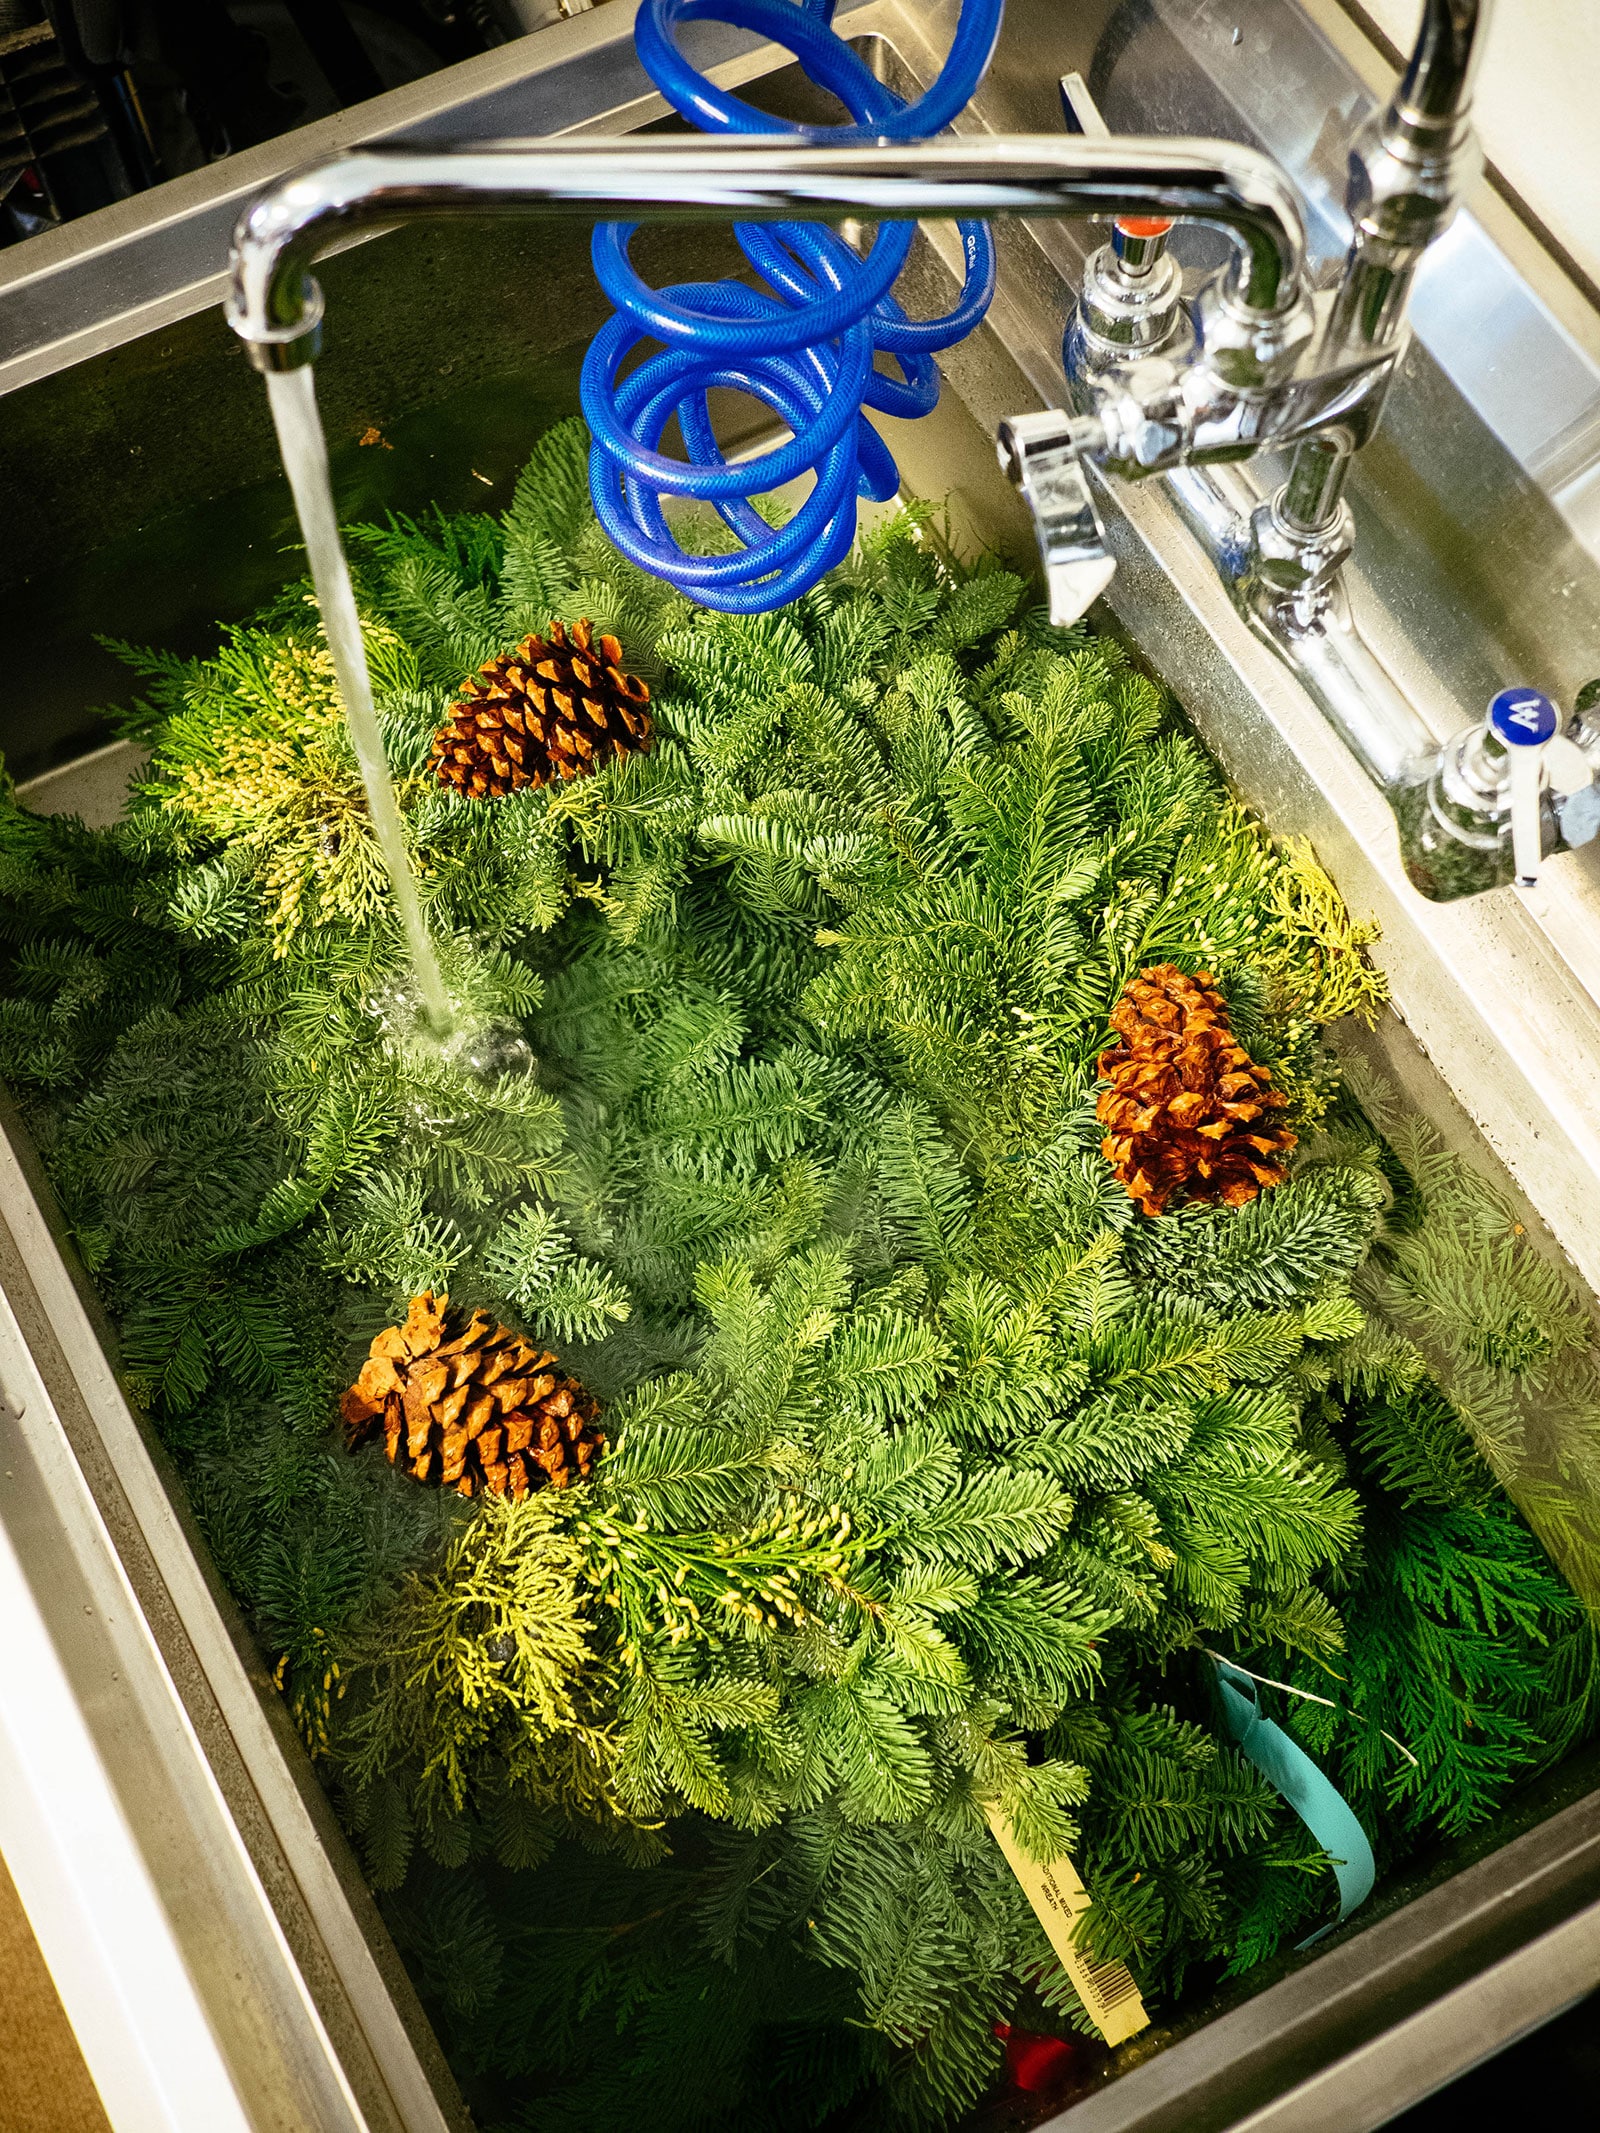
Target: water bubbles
[(490, 1052), (478, 1047)]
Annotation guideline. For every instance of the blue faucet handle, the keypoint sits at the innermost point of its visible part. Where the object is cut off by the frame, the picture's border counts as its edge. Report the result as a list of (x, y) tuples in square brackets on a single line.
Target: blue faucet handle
[(1529, 726), (1523, 718)]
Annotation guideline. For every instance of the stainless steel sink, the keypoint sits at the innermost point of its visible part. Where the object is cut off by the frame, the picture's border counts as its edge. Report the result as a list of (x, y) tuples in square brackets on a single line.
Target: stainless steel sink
[(1479, 564)]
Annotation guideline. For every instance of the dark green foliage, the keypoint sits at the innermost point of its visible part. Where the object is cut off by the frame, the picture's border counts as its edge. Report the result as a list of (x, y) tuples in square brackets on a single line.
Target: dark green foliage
[(934, 1470)]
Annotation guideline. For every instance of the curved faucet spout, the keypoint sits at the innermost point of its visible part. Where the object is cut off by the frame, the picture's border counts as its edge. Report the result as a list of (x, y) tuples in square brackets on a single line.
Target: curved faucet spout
[(275, 307)]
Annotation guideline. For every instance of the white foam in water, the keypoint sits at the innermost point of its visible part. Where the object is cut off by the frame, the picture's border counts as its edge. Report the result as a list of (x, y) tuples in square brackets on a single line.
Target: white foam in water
[(305, 459)]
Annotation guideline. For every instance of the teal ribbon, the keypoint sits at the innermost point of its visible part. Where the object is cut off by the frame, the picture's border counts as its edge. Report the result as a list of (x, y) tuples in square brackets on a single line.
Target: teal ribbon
[(1319, 1804)]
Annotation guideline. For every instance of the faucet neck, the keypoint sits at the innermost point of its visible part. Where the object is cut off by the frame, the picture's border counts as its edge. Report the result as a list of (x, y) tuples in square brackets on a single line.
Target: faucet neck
[(1436, 92), (1410, 170)]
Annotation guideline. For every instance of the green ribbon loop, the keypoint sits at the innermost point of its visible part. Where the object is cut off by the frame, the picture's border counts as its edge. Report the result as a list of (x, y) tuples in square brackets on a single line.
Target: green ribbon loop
[(1319, 1804)]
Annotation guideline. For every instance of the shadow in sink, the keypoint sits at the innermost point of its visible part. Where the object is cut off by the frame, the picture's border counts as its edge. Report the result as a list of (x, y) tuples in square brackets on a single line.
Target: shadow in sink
[(171, 583), (156, 504)]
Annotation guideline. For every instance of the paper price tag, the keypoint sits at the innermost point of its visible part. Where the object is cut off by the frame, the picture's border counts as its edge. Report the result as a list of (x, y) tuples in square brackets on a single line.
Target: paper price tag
[(1059, 1898)]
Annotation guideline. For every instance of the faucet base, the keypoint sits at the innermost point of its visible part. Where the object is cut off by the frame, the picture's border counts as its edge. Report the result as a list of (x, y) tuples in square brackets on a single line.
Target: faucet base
[(1451, 808)]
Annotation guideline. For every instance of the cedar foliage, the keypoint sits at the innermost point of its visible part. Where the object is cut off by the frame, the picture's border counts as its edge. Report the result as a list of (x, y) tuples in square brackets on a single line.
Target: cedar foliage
[(933, 1467)]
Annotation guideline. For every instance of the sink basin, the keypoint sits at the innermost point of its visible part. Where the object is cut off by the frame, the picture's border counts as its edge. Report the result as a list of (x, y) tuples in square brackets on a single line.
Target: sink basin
[(143, 438)]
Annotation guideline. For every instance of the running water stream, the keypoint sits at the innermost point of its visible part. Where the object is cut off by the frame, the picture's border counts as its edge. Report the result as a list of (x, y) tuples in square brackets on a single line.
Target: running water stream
[(305, 458)]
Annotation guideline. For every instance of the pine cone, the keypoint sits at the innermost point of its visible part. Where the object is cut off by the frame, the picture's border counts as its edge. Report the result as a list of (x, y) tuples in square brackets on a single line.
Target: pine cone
[(1186, 1103), (470, 1407), (553, 708)]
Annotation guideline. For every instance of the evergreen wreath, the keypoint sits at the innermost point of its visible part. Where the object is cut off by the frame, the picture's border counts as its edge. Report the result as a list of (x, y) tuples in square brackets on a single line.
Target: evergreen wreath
[(934, 1468)]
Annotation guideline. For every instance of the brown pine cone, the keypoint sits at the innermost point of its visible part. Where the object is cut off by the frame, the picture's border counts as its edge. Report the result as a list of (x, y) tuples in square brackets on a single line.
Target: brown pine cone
[(472, 1406), (555, 707), (1187, 1110)]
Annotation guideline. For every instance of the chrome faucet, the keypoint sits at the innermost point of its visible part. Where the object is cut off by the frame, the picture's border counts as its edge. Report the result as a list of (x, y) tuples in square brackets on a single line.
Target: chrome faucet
[(1483, 808), (1160, 385)]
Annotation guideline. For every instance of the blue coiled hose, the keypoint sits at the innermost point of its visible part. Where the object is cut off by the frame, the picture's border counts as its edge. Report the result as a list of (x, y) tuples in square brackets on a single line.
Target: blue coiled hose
[(806, 349)]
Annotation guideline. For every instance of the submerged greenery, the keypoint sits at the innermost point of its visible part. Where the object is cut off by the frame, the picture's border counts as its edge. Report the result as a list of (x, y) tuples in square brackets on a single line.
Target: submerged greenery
[(936, 1473)]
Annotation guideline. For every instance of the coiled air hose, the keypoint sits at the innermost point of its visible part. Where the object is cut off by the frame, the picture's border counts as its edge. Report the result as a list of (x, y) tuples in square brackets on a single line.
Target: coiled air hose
[(806, 349)]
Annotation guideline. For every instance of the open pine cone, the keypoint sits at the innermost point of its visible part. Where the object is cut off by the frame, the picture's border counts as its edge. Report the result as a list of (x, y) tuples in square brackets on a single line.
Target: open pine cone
[(1186, 1110), (554, 707), (471, 1406)]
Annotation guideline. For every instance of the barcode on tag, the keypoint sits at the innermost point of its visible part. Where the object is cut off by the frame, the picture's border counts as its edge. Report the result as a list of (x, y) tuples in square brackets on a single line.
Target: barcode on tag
[(1103, 1987), (1059, 1898)]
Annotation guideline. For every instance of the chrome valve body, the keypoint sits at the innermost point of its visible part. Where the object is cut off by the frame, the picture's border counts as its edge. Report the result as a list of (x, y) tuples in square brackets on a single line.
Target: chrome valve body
[(1163, 384)]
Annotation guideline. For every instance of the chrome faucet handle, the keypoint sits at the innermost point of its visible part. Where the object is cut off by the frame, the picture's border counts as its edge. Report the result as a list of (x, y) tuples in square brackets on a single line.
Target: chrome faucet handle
[(1540, 754), (1041, 455), (1129, 305), (1527, 725), (1514, 788)]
